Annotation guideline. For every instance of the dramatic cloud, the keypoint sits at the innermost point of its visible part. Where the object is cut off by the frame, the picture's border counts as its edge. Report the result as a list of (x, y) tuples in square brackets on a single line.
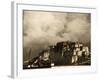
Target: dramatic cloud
[(47, 28)]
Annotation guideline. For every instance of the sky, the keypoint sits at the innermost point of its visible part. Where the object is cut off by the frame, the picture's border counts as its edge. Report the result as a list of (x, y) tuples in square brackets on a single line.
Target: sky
[(44, 28)]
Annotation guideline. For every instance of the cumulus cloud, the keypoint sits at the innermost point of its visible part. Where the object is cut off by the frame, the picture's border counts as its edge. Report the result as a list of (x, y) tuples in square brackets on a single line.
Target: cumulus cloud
[(47, 28)]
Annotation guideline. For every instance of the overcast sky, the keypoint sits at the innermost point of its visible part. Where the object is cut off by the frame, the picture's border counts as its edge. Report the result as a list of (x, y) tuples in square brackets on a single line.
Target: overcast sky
[(46, 28)]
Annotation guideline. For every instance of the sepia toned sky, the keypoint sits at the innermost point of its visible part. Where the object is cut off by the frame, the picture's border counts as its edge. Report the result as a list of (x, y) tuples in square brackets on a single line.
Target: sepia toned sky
[(41, 28)]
